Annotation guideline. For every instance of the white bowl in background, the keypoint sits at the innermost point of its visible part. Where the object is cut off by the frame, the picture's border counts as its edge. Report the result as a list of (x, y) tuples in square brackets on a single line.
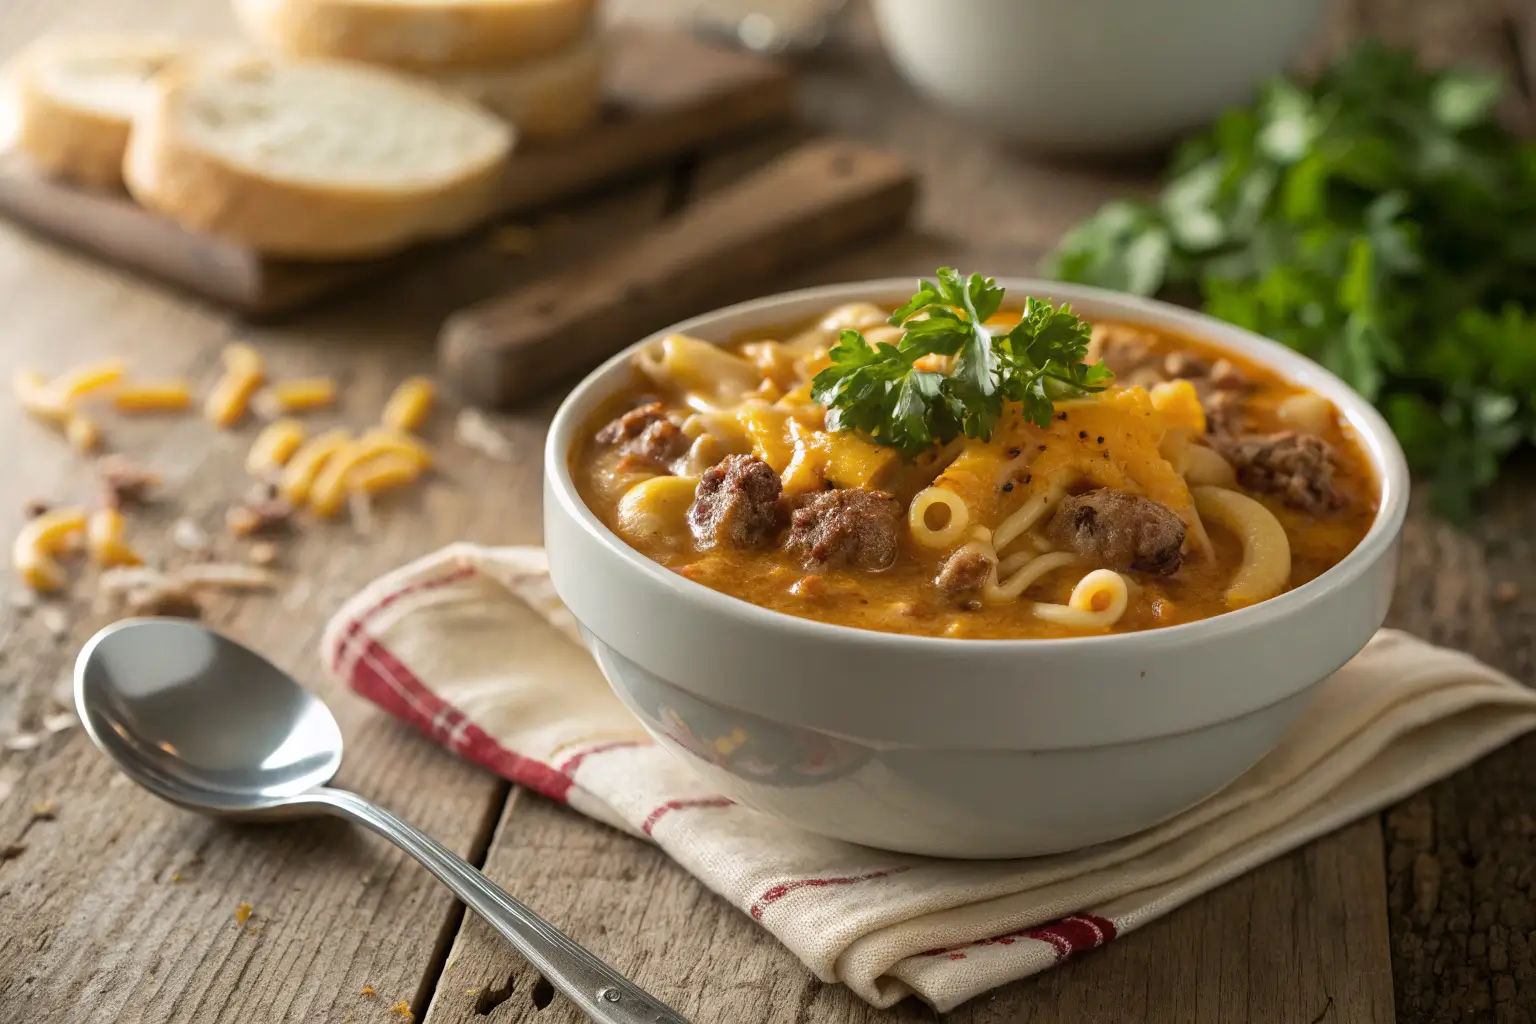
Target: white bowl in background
[(954, 747), (1092, 76)]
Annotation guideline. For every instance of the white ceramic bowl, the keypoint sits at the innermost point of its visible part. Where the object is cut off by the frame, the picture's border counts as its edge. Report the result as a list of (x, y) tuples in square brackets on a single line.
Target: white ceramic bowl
[(950, 747), (1092, 76)]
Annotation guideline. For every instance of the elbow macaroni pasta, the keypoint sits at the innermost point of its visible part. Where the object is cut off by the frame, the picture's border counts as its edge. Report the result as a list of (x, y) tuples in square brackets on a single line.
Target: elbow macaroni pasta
[(244, 372), (385, 471), (84, 380), (656, 508), (1097, 602), (274, 446), (955, 517), (711, 376), (37, 399), (1266, 563), (154, 396), (40, 540), (104, 539), (410, 404), (296, 396), (301, 470)]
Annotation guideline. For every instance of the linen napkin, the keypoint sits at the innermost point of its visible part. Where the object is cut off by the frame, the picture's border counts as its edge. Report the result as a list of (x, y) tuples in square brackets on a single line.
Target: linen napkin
[(472, 646)]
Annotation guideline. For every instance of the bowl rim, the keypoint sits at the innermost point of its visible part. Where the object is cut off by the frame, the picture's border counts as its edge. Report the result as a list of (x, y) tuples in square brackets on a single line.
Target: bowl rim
[(1372, 433)]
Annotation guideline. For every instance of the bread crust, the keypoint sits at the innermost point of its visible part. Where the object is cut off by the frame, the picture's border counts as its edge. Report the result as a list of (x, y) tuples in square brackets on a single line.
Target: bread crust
[(549, 99), (204, 191), (62, 138), (421, 35)]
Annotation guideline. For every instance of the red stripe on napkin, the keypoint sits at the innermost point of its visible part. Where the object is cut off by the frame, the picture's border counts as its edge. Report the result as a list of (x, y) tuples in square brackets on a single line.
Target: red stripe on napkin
[(568, 768), (682, 805), (783, 889), (382, 678), (1075, 933), (355, 627)]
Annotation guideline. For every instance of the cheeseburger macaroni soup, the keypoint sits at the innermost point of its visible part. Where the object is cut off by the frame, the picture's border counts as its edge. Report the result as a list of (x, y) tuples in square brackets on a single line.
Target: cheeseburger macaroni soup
[(976, 465)]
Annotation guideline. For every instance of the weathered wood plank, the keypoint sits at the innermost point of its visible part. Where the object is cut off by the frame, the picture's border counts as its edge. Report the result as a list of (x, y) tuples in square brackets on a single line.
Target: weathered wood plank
[(119, 907), (1460, 854), (1249, 951)]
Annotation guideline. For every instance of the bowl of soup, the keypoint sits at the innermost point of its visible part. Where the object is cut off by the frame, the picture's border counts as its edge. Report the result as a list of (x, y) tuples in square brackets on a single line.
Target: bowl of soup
[(1055, 635)]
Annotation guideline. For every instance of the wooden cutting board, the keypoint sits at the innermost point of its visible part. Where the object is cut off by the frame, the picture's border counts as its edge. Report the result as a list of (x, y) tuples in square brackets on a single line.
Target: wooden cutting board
[(668, 95), (822, 196)]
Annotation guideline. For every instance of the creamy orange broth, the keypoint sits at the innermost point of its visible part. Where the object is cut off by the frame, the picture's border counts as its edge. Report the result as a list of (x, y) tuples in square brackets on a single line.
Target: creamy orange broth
[(903, 599)]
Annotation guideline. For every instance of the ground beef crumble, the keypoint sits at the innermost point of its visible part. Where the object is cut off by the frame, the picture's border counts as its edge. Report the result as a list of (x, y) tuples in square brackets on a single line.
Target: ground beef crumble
[(963, 572), (1297, 468), (852, 527), (647, 433), (1120, 531), (738, 503)]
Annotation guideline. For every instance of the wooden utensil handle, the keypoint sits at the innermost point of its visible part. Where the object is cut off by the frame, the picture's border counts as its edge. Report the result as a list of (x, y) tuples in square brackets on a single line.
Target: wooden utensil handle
[(820, 196)]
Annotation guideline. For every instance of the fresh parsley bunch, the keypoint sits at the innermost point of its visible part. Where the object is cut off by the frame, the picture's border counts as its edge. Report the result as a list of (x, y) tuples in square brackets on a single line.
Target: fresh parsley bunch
[(879, 391), (1378, 220)]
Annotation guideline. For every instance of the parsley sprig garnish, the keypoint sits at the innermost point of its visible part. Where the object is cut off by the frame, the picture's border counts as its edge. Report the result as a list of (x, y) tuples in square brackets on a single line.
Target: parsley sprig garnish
[(1381, 221), (879, 391)]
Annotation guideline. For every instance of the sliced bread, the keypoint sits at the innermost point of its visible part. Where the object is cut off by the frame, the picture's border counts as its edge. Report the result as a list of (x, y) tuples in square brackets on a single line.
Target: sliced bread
[(314, 160), (545, 99), (69, 100), (422, 35)]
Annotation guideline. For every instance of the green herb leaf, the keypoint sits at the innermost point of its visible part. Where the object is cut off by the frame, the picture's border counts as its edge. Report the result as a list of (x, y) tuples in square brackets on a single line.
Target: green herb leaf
[(879, 391), (1377, 219)]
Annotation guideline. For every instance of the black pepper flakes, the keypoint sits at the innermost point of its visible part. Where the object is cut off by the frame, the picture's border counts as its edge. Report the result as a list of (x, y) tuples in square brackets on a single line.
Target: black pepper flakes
[(1082, 435), (1101, 440), (1042, 447), (1007, 486), (1014, 453), (1061, 416), (1028, 477)]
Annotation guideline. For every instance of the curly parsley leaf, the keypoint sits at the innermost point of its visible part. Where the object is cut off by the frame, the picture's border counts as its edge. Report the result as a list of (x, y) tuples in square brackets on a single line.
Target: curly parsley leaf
[(1378, 220), (879, 391)]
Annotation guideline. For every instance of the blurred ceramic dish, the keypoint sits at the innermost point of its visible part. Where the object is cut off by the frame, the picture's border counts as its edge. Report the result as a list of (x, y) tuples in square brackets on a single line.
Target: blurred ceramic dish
[(1092, 76), (962, 747)]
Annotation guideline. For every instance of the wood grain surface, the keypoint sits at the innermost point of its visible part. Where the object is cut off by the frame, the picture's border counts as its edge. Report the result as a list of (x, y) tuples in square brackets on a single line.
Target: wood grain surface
[(116, 907), (801, 207)]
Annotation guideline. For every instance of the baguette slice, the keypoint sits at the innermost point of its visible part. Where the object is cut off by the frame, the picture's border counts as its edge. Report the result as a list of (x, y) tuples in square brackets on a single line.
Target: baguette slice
[(315, 160), (546, 99), (69, 101), (420, 35)]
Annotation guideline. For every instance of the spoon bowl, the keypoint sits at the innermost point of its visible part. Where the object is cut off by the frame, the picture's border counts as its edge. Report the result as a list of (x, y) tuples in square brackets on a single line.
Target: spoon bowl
[(208, 724), (203, 721)]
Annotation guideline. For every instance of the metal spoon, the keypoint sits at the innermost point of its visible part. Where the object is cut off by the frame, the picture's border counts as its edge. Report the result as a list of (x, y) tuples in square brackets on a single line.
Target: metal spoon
[(210, 725)]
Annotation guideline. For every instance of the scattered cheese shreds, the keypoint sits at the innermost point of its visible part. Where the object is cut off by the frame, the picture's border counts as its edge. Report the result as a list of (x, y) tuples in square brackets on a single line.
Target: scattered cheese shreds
[(262, 553), (189, 535), (243, 912), (60, 721), (475, 431), (55, 620), (360, 508), (225, 575), (403, 1008)]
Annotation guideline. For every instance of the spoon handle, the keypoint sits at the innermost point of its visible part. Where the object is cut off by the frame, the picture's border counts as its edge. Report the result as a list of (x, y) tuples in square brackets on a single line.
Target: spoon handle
[(604, 994)]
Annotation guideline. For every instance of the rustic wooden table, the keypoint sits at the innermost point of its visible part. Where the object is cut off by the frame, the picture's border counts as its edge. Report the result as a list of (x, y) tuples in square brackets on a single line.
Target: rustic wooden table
[(114, 906)]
